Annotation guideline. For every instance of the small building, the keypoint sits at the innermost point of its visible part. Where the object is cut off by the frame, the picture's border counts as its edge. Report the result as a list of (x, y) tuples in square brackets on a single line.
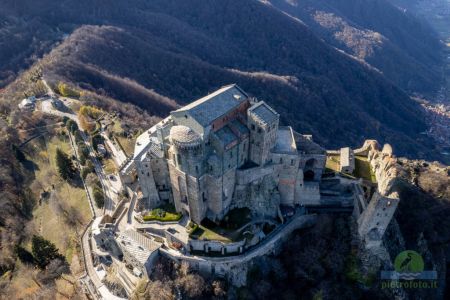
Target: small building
[(139, 251), (28, 103), (347, 161)]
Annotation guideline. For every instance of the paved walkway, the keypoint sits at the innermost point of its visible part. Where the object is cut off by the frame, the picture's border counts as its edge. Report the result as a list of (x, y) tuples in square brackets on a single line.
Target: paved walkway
[(118, 155)]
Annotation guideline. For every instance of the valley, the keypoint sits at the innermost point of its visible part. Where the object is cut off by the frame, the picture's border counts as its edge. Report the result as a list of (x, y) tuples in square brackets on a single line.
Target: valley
[(172, 149)]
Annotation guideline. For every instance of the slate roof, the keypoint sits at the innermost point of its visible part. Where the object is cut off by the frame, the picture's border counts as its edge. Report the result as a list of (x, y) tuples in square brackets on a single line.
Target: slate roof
[(137, 245), (226, 135), (264, 113), (241, 128), (209, 108), (285, 141)]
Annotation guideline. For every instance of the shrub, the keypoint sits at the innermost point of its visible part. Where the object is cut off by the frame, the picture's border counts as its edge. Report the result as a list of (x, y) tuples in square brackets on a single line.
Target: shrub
[(96, 139), (161, 215), (66, 91)]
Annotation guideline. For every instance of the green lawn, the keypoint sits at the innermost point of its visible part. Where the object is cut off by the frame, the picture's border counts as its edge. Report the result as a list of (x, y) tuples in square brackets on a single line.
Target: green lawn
[(165, 213), (363, 169)]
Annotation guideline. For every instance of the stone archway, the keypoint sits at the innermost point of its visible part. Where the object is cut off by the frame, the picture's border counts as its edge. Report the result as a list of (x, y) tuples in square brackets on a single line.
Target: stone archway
[(308, 175), (308, 171)]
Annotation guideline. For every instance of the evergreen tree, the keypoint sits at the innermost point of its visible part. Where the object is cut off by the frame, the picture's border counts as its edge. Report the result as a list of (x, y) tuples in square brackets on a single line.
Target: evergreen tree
[(99, 197), (71, 126), (18, 153), (66, 169), (44, 251), (96, 139), (83, 152), (23, 254)]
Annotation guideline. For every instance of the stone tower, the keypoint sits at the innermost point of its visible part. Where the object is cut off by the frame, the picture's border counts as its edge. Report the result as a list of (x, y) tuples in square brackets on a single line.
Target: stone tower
[(375, 219), (185, 168), (262, 121)]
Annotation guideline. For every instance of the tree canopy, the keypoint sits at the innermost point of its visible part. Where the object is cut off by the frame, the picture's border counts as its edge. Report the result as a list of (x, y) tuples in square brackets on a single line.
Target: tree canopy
[(66, 169), (44, 251)]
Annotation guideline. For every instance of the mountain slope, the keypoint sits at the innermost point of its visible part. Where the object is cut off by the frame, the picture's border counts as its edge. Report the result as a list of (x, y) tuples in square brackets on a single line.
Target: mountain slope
[(157, 54), (404, 48)]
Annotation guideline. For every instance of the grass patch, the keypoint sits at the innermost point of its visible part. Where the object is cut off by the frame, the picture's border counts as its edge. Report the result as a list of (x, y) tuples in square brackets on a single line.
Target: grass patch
[(192, 227), (165, 213), (209, 230), (333, 163), (363, 169), (203, 233), (109, 166), (127, 144), (66, 211)]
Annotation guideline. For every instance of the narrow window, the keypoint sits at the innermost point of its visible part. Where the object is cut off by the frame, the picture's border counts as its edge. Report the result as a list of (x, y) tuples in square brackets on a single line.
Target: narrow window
[(253, 127), (292, 162), (281, 160)]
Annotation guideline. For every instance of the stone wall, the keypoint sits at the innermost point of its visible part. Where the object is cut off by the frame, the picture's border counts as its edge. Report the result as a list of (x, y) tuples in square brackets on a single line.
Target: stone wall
[(161, 177), (235, 268), (216, 246), (374, 220)]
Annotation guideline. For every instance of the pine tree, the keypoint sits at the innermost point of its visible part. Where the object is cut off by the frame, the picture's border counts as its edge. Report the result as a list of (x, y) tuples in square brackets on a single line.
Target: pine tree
[(44, 251), (99, 198), (66, 169), (18, 153)]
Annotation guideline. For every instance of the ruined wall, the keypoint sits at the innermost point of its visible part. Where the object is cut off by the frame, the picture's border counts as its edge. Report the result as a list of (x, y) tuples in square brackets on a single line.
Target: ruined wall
[(260, 196), (375, 219)]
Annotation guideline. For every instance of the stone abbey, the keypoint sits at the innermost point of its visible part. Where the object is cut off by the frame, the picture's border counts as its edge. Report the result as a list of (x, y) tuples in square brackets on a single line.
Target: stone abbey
[(224, 151)]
